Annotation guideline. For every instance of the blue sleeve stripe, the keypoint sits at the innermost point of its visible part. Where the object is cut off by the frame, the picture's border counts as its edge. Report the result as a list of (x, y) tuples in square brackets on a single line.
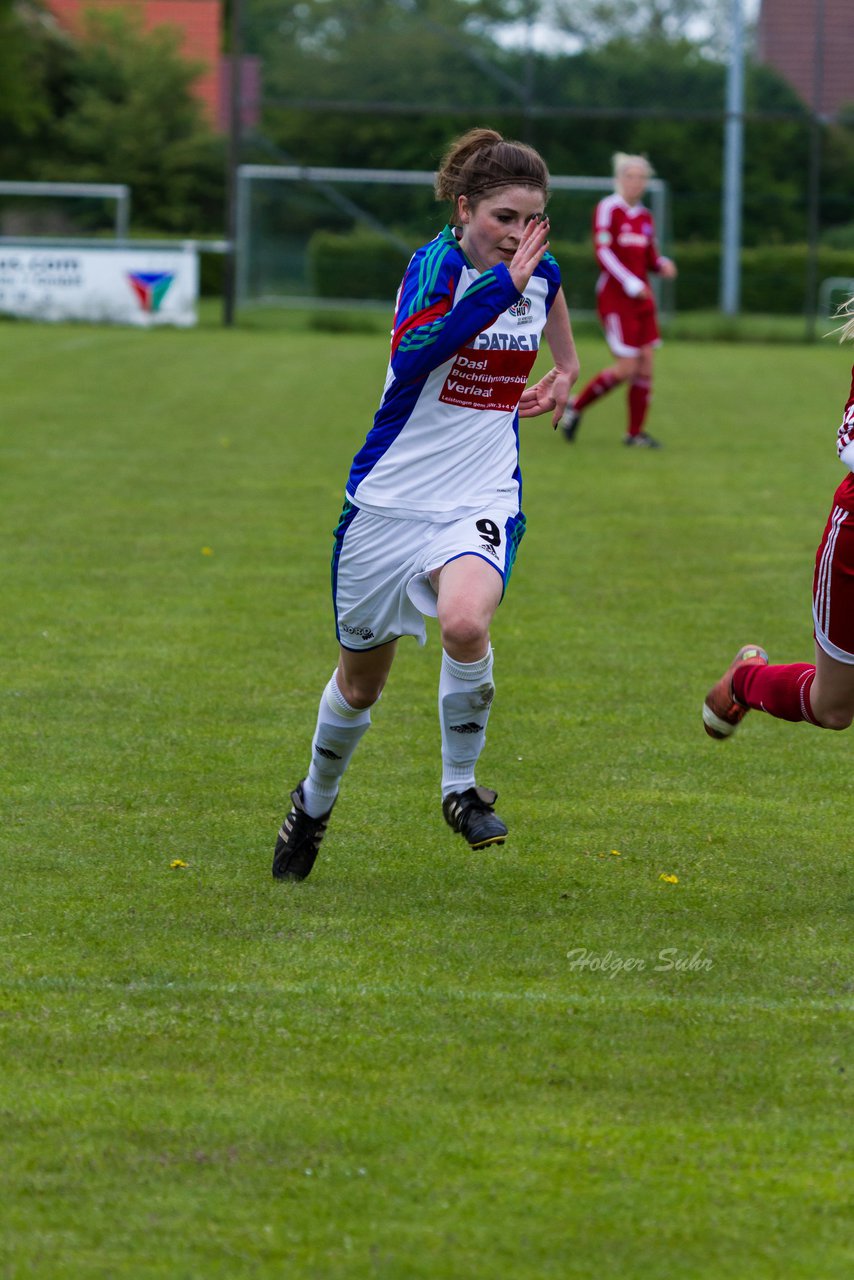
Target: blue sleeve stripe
[(428, 273), (426, 335)]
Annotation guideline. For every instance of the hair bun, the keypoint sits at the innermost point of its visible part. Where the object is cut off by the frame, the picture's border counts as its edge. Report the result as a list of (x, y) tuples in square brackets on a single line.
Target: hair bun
[(482, 159)]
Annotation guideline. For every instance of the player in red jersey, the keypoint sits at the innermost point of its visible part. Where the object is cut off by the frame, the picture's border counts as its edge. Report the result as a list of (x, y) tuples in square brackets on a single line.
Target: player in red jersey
[(624, 239), (822, 692)]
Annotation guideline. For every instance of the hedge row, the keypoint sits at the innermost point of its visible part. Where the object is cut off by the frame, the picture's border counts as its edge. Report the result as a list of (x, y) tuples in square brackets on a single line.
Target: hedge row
[(773, 279), (360, 265)]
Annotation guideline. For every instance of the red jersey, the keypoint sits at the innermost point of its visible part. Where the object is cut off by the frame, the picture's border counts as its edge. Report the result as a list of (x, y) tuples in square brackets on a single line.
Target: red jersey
[(846, 432), (624, 239), (844, 437)]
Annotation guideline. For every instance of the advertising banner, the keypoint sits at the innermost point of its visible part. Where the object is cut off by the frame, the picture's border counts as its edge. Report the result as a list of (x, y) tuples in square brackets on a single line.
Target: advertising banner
[(104, 284)]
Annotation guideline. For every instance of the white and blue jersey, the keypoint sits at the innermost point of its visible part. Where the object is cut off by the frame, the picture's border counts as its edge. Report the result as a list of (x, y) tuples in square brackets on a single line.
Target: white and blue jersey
[(445, 439)]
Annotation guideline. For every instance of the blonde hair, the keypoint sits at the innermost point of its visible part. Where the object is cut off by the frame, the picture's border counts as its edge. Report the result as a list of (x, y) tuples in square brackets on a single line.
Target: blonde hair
[(621, 160), (847, 329), (481, 160)]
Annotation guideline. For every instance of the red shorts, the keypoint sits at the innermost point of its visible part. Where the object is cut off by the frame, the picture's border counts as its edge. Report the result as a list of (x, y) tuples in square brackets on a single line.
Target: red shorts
[(629, 323), (833, 584)]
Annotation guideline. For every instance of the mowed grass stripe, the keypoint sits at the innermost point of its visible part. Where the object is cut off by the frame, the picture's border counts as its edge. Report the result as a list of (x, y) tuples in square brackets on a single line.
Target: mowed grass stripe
[(338, 991)]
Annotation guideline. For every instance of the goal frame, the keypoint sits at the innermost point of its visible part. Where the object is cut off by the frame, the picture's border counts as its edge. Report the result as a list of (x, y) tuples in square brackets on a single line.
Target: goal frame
[(117, 191), (247, 174)]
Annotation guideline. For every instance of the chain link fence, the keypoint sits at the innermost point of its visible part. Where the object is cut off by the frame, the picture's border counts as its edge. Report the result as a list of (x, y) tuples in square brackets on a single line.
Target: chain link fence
[(386, 85)]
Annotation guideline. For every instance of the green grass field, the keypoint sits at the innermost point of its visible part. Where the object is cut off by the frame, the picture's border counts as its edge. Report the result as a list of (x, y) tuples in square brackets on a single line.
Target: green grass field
[(399, 1069)]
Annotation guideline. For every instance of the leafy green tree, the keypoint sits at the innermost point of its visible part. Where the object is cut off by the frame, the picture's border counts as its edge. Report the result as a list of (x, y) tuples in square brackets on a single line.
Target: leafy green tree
[(27, 50), (113, 106), (598, 22), (661, 96), (673, 99), (437, 51), (130, 116)]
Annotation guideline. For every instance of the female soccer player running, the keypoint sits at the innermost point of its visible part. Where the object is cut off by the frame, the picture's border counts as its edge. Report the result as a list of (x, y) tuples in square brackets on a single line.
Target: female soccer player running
[(624, 241), (432, 520), (821, 692)]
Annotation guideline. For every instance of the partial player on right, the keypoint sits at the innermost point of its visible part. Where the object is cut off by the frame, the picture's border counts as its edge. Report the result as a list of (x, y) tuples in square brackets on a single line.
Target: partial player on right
[(821, 693), (626, 250)]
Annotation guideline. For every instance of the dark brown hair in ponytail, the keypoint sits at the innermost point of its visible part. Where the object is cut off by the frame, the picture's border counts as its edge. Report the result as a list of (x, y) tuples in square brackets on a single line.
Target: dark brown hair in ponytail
[(481, 160)]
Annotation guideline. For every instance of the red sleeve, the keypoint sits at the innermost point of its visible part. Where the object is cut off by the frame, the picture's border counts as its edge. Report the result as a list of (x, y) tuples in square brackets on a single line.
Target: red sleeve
[(603, 237), (653, 257)]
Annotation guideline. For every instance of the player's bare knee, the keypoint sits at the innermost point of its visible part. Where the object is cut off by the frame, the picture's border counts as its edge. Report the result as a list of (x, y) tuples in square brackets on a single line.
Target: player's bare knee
[(836, 718), (361, 692), (626, 368), (462, 633)]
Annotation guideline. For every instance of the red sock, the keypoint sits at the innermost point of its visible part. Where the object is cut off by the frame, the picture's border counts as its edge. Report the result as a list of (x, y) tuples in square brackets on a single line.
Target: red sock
[(640, 394), (596, 387), (783, 692)]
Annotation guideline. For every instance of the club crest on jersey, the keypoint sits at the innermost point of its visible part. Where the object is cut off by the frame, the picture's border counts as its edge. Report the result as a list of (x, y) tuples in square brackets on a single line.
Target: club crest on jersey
[(521, 308)]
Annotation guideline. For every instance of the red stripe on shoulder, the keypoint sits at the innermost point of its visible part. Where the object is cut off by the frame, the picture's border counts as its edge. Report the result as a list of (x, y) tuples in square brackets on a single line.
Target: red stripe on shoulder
[(426, 316)]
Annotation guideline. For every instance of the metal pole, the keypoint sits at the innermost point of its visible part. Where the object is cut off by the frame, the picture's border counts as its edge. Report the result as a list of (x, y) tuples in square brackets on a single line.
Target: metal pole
[(732, 170), (814, 187), (528, 83), (235, 107), (123, 214)]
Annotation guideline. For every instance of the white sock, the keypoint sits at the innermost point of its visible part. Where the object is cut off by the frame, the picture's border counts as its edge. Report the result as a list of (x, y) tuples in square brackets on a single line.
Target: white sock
[(465, 696), (336, 736)]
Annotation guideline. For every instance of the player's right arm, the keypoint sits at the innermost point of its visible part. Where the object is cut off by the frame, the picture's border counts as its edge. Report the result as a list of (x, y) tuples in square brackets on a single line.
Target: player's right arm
[(845, 434), (429, 327)]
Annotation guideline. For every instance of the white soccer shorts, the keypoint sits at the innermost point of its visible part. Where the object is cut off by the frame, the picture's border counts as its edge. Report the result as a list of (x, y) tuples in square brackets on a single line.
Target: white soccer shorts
[(381, 565)]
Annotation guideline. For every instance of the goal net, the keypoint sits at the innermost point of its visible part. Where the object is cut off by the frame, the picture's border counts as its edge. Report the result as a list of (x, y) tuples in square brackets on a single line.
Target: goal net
[(63, 209), (342, 237)]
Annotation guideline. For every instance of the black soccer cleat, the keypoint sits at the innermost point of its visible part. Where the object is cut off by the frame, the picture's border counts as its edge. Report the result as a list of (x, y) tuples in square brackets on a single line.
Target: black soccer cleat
[(570, 423), (472, 814), (641, 441), (298, 842)]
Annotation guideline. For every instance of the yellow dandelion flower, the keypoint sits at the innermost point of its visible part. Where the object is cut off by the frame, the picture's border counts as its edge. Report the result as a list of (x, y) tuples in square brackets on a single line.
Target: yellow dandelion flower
[(207, 551), (668, 879), (177, 862), (616, 853)]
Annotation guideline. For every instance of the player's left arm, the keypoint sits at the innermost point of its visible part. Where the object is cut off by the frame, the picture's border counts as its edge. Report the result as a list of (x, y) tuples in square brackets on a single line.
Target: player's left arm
[(551, 393), (658, 262)]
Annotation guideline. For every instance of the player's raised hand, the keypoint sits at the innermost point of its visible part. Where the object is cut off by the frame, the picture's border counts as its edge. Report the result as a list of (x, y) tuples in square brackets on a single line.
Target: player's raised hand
[(532, 246)]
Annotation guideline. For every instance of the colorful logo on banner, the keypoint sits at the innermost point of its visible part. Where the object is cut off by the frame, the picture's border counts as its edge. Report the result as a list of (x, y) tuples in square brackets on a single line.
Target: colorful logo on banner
[(150, 287)]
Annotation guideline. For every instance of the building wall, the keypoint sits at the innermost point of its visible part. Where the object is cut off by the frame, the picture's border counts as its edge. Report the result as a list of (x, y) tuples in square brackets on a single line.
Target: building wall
[(199, 22), (811, 44)]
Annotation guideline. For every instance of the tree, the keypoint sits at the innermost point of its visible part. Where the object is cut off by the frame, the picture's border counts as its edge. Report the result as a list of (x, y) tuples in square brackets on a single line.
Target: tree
[(23, 98), (131, 117), (440, 50), (112, 106), (599, 22)]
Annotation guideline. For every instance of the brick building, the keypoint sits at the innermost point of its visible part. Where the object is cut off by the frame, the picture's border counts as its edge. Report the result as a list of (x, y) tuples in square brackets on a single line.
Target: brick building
[(199, 22), (811, 44)]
